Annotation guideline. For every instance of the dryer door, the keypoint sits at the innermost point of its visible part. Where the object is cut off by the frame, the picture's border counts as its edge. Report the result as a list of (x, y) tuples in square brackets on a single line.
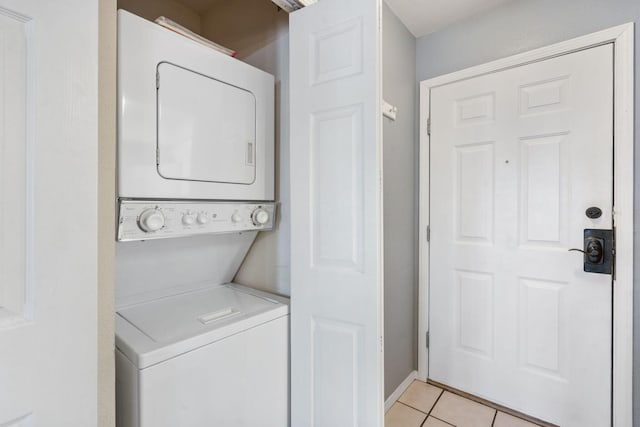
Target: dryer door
[(206, 128)]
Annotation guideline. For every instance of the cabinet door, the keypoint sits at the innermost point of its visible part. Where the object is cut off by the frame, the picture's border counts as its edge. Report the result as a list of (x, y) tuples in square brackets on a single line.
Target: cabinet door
[(336, 214)]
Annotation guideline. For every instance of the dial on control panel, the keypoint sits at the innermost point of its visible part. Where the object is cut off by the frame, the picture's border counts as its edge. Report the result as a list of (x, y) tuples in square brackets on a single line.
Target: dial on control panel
[(188, 218), (260, 216), (203, 218), (151, 220)]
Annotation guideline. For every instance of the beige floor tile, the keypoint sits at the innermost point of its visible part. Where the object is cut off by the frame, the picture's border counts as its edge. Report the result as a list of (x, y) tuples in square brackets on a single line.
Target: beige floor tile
[(462, 412), (434, 422), (506, 420), (421, 396), (400, 415)]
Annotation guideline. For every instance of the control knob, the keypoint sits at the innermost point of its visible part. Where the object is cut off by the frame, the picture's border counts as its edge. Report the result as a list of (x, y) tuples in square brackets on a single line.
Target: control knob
[(236, 217), (260, 216), (188, 219), (151, 220), (203, 218)]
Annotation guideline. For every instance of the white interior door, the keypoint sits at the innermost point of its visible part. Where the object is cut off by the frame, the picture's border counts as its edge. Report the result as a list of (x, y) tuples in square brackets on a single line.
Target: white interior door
[(517, 157), (336, 208), (48, 212)]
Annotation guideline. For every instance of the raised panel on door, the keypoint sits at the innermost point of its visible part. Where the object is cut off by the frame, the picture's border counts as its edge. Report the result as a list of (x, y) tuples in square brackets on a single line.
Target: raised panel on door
[(336, 231), (517, 157)]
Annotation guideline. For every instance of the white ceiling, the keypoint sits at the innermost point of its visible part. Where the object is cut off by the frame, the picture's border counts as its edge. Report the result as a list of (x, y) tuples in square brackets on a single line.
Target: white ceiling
[(423, 17)]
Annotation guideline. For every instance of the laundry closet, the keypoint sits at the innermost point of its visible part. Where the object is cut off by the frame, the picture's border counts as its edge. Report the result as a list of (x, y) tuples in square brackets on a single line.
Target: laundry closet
[(156, 273)]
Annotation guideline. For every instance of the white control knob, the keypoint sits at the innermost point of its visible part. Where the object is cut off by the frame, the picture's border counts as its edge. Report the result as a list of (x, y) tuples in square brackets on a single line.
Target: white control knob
[(260, 216), (151, 220), (236, 217), (188, 219), (203, 218)]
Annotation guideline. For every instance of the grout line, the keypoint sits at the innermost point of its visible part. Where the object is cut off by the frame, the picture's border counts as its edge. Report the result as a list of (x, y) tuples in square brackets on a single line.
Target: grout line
[(436, 402), (409, 406), (495, 415), (446, 422)]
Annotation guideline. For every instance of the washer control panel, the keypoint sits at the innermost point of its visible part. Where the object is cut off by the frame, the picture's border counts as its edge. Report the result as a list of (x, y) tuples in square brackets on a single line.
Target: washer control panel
[(144, 220)]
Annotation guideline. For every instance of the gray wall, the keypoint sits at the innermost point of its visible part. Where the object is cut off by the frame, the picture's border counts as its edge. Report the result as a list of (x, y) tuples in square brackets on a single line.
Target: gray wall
[(527, 24), (400, 185)]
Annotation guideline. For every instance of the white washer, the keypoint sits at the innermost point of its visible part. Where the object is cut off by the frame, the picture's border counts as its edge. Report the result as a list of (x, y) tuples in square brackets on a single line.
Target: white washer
[(217, 356)]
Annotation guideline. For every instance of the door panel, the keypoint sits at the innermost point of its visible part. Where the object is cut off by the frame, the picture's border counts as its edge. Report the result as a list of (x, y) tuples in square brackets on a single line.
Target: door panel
[(48, 212), (517, 157), (336, 246)]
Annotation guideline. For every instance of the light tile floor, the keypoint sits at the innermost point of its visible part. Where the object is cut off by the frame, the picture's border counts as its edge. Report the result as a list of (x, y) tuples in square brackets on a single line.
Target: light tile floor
[(424, 405)]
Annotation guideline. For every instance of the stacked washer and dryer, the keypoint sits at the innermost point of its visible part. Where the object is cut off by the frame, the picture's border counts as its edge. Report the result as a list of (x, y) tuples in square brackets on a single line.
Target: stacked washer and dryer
[(195, 176)]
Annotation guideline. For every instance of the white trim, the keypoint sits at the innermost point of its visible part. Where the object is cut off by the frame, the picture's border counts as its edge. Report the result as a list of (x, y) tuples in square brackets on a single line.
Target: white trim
[(623, 40), (423, 245), (623, 218), (393, 398)]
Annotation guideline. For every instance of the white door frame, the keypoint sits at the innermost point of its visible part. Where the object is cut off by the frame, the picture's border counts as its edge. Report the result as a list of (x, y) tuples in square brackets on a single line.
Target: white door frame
[(622, 38)]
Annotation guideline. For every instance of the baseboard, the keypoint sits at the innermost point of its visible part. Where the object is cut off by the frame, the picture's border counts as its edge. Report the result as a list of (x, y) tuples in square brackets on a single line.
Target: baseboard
[(398, 391)]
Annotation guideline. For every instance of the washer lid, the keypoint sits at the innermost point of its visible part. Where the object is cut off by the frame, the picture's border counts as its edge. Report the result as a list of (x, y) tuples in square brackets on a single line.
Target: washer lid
[(155, 331)]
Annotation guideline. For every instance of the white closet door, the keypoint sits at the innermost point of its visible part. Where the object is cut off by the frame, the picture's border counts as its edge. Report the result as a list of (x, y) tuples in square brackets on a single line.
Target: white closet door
[(336, 224), (48, 212), (517, 158)]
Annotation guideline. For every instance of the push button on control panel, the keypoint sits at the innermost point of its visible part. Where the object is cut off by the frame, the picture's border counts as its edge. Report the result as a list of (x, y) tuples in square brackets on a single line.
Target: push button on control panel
[(188, 218), (236, 217), (203, 218)]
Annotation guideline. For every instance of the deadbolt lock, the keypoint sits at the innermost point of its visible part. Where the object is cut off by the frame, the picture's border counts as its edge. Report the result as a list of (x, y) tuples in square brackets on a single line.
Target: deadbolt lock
[(598, 251)]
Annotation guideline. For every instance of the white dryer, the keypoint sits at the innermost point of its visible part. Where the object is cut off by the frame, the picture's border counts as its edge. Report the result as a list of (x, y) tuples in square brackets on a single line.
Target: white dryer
[(217, 356), (193, 123)]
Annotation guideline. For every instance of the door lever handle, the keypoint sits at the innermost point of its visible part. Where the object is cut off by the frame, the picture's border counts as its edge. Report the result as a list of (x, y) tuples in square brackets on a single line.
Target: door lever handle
[(593, 250)]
